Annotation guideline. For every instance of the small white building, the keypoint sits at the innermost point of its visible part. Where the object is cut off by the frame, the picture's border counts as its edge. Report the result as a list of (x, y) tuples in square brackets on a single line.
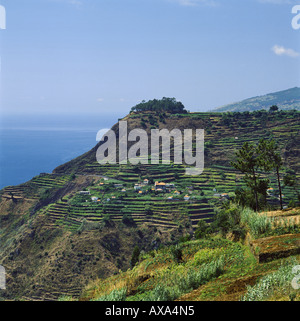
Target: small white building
[(84, 193), (160, 186)]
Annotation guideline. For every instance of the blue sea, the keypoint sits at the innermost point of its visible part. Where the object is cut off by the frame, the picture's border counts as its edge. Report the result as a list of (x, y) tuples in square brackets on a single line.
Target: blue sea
[(33, 145)]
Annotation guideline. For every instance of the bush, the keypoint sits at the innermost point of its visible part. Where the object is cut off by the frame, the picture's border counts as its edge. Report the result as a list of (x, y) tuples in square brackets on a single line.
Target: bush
[(106, 220), (186, 282), (176, 253), (206, 255), (135, 256), (185, 238), (277, 280), (258, 224), (65, 298), (115, 295), (227, 220), (162, 293), (128, 220), (292, 204), (202, 230)]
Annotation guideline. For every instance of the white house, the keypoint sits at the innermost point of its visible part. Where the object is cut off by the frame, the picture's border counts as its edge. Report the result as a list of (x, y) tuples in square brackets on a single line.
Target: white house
[(84, 193), (160, 186), (187, 198), (137, 187)]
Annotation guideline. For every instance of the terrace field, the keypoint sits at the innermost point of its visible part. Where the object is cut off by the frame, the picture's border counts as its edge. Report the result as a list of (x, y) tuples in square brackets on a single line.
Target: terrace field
[(210, 269), (83, 221)]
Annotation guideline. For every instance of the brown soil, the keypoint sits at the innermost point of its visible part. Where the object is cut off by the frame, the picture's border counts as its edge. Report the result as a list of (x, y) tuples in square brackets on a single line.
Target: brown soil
[(274, 247)]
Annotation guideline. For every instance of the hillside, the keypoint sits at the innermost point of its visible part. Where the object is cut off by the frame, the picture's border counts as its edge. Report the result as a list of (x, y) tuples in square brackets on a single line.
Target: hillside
[(56, 239), (286, 100), (210, 269)]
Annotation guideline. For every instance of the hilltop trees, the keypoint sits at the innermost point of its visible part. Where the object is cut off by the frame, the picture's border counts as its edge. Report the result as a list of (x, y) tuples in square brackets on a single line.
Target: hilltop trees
[(273, 108), (169, 105)]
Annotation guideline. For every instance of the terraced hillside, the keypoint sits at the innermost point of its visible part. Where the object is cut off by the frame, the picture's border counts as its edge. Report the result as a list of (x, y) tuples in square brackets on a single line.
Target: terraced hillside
[(224, 135), (164, 214), (54, 223), (259, 267)]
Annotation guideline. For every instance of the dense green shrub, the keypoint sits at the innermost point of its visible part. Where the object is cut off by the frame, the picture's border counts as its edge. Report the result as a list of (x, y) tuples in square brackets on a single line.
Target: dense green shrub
[(202, 229), (228, 220), (176, 253), (258, 224), (128, 220), (115, 295), (135, 256)]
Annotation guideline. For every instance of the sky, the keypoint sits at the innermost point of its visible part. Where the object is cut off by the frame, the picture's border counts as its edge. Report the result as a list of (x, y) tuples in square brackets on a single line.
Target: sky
[(101, 57)]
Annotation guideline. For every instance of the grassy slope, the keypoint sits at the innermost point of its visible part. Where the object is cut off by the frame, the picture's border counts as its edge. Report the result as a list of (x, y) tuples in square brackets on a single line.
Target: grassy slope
[(159, 275)]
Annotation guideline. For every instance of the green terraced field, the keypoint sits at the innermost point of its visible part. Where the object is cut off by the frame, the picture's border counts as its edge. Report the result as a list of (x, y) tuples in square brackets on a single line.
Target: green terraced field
[(50, 181)]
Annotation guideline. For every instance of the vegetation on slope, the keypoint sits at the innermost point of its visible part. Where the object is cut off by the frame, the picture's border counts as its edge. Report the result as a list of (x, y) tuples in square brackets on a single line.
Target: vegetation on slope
[(211, 268), (285, 100)]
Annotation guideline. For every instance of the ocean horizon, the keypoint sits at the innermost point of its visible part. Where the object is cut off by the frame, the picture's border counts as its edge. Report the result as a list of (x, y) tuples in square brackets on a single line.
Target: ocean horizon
[(33, 145)]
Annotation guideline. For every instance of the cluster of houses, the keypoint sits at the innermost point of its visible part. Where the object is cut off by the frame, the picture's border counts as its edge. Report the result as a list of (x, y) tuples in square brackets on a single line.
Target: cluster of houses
[(160, 187)]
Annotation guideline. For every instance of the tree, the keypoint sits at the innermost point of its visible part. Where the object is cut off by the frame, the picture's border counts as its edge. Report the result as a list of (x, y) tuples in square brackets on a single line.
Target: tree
[(273, 108), (228, 220), (271, 159), (135, 256), (248, 163)]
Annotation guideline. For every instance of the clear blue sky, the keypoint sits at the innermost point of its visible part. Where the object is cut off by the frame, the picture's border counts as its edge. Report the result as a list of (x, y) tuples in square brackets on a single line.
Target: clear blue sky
[(105, 56)]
